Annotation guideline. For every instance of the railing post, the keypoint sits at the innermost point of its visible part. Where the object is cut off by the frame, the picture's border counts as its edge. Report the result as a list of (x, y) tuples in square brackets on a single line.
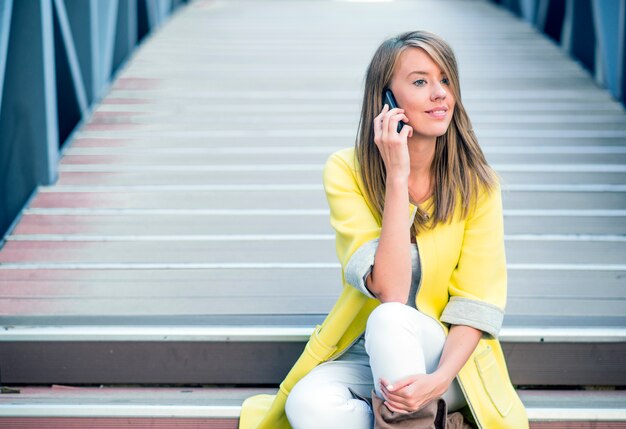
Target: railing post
[(592, 31), (579, 36), (29, 147), (610, 17), (57, 57)]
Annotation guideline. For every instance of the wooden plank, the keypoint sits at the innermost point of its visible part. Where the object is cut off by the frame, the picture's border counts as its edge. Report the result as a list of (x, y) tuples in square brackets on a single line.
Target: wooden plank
[(203, 224), (178, 305), (188, 395), (330, 142), (117, 423), (179, 200), (562, 200), (126, 158), (138, 178), (522, 283), (540, 110), (588, 409), (307, 199), (267, 250), (533, 294), (145, 407), (175, 225)]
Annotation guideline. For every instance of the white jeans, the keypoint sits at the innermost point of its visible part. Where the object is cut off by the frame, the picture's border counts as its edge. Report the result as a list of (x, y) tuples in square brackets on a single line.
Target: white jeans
[(399, 341)]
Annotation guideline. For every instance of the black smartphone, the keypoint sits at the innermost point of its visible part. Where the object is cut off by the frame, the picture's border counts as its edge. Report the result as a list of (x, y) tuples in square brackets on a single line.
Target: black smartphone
[(389, 99)]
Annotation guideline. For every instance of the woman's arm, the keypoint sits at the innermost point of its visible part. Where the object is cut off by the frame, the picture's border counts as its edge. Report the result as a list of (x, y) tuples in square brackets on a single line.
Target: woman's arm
[(417, 390), (460, 343), (390, 278)]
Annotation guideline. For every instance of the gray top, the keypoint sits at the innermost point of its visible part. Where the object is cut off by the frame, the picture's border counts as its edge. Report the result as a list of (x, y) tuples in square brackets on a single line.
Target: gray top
[(361, 264), (357, 350), (416, 275), (459, 311)]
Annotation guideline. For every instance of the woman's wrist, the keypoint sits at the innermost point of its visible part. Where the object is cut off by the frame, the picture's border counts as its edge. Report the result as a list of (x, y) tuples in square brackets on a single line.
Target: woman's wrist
[(443, 379), (397, 182)]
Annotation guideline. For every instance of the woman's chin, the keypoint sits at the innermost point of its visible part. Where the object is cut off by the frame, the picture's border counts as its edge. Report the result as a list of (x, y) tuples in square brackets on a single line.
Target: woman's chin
[(430, 133)]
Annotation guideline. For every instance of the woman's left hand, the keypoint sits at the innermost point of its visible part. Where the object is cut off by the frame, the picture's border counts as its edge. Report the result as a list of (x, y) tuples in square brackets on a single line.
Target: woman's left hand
[(412, 393)]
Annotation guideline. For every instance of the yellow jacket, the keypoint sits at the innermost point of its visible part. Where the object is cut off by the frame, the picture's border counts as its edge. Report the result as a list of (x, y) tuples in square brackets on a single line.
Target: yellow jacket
[(463, 282)]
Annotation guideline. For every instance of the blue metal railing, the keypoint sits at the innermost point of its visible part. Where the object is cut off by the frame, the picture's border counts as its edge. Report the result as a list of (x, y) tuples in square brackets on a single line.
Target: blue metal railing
[(591, 31), (57, 59)]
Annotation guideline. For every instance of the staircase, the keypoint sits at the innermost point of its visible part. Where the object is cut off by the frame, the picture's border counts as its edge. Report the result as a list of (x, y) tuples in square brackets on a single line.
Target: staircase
[(184, 255)]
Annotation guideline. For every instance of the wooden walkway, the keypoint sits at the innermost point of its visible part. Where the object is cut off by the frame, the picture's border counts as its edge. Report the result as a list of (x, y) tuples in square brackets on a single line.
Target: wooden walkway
[(60, 407), (191, 202)]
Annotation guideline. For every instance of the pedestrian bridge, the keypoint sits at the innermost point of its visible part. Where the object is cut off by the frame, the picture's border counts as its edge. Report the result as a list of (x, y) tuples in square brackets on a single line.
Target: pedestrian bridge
[(186, 241)]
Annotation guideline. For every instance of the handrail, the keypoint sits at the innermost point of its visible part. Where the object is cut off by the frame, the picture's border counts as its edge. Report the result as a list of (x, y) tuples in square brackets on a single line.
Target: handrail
[(57, 60), (590, 31)]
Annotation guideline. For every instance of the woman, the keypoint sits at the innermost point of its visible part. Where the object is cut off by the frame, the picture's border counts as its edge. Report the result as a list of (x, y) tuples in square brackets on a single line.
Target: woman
[(418, 220)]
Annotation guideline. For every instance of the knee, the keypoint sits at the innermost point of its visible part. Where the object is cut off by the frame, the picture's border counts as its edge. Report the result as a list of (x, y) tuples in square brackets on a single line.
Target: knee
[(389, 324), (389, 315)]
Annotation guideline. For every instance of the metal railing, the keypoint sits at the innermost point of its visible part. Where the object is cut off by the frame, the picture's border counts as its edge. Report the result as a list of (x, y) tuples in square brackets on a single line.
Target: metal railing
[(591, 31), (57, 59)]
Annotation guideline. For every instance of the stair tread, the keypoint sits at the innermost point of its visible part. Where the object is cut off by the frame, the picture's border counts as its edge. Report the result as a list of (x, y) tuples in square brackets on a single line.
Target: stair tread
[(272, 331), (226, 402)]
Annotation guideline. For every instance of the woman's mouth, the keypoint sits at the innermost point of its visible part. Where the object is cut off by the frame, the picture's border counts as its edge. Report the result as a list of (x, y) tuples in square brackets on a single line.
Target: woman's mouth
[(438, 112)]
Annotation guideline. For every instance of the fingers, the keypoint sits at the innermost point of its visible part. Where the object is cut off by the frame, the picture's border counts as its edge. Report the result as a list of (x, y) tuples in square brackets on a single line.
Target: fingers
[(405, 382), (386, 129), (400, 384), (394, 120), (396, 409), (392, 146), (406, 131), (399, 396), (378, 127), (385, 383), (390, 121), (386, 123), (399, 405)]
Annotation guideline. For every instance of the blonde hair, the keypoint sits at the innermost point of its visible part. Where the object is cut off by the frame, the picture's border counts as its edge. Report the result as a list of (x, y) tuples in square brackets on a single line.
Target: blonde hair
[(459, 168)]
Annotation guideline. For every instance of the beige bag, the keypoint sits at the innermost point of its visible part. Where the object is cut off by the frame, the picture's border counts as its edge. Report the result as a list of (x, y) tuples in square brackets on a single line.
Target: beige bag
[(431, 416)]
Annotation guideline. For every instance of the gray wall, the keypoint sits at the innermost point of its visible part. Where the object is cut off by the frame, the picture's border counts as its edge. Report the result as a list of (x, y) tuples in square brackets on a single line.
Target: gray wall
[(57, 59)]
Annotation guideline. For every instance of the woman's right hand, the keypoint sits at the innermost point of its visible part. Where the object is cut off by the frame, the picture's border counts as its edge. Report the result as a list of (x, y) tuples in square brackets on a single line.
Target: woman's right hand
[(393, 146)]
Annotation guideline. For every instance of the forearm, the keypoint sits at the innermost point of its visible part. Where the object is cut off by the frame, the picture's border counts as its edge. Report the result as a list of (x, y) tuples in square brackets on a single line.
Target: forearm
[(460, 343), (390, 278)]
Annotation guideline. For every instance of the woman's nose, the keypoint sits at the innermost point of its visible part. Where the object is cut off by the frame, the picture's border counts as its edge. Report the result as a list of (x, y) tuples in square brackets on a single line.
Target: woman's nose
[(439, 92)]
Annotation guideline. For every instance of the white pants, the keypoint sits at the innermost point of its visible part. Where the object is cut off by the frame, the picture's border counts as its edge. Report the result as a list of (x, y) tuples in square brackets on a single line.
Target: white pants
[(399, 341)]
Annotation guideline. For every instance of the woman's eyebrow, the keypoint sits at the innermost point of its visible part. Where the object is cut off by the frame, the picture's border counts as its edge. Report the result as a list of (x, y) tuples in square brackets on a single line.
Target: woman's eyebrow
[(421, 72)]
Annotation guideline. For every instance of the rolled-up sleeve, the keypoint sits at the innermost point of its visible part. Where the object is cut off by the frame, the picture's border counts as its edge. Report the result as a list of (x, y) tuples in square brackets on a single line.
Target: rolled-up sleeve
[(477, 314), (360, 266), (478, 285)]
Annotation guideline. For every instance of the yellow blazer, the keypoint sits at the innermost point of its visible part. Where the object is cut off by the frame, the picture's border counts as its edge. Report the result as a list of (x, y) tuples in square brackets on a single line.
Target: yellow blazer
[(463, 282)]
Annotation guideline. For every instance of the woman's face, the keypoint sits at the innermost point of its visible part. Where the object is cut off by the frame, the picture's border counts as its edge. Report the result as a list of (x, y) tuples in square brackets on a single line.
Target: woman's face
[(423, 91)]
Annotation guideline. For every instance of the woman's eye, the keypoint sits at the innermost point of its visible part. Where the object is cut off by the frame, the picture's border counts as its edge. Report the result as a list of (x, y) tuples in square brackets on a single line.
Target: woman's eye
[(420, 82), (445, 81)]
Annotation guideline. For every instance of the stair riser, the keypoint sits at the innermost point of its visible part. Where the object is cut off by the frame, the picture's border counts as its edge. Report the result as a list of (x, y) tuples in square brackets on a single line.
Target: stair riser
[(246, 363)]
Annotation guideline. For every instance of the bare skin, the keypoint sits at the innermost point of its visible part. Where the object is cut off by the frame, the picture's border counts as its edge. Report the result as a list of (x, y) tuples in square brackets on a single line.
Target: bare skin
[(422, 89)]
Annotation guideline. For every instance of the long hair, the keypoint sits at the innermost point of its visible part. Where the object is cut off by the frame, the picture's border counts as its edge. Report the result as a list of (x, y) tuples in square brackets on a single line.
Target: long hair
[(459, 168)]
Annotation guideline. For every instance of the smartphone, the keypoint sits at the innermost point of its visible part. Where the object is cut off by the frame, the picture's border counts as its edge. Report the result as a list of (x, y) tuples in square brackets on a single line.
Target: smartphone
[(389, 99)]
